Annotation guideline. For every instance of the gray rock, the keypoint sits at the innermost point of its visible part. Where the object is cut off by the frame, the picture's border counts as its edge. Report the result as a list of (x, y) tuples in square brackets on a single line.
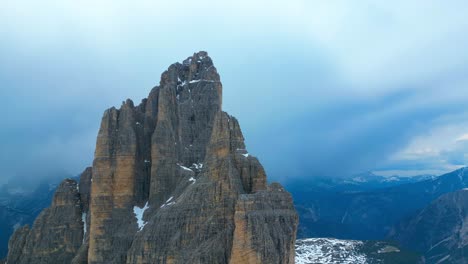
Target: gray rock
[(172, 182), (57, 233)]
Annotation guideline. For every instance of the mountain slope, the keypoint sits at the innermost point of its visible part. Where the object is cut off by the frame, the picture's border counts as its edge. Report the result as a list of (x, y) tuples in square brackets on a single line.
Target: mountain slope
[(440, 230), (171, 182)]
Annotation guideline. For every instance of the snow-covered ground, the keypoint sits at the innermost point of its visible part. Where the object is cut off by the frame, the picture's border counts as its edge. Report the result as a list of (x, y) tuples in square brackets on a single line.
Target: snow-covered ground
[(329, 251)]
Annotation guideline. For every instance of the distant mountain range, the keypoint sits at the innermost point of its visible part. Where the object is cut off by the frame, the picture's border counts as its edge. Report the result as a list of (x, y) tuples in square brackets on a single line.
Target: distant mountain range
[(426, 214), (355, 183), (367, 207)]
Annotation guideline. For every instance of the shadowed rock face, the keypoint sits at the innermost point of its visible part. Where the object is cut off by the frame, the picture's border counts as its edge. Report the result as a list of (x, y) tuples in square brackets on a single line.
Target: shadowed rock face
[(172, 182), (439, 231), (57, 233)]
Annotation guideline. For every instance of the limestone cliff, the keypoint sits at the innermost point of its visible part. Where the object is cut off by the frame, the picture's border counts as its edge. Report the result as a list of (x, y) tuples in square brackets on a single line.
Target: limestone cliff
[(171, 182)]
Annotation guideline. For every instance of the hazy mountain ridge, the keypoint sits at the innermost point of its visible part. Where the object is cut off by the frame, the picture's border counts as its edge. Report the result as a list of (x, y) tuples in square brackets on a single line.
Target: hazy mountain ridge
[(440, 230), (365, 213)]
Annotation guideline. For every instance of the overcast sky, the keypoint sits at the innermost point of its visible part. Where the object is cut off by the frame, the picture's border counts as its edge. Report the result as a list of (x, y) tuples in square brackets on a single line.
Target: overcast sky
[(325, 88)]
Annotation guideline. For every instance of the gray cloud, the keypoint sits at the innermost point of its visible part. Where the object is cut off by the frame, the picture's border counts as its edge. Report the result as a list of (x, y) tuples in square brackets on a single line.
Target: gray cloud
[(320, 88)]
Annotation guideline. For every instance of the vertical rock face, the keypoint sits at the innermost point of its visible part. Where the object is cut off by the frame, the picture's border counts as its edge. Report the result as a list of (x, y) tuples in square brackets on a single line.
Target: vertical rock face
[(172, 182), (86, 178), (257, 242)]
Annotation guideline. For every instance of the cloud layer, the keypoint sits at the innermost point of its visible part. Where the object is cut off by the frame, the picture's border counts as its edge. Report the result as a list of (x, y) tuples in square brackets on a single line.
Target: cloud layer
[(320, 87)]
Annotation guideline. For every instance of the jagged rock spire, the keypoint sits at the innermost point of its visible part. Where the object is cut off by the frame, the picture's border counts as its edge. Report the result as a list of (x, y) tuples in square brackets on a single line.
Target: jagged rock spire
[(172, 182)]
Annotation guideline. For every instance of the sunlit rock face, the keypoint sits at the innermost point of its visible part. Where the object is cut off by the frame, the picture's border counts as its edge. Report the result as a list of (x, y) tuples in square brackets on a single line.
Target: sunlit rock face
[(172, 182)]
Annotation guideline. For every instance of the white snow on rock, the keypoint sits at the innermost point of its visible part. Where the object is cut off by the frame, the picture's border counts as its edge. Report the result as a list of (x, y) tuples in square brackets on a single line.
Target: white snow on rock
[(193, 180), (185, 168), (197, 166), (202, 80), (359, 179), (139, 212), (246, 154), (443, 259), (85, 225), (168, 202), (329, 251)]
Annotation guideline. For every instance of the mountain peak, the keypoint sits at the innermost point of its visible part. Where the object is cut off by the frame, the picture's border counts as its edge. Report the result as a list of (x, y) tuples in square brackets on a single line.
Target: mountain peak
[(197, 68), (172, 182)]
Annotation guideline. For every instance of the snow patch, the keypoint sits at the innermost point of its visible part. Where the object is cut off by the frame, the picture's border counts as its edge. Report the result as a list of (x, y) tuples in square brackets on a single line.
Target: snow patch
[(202, 80), (193, 180), (168, 202), (245, 155), (443, 259), (185, 168), (388, 249), (139, 212), (392, 179), (359, 179), (329, 250), (85, 225), (197, 166)]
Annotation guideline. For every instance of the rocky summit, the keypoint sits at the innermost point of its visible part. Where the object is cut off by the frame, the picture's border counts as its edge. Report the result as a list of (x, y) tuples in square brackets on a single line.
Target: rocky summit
[(171, 182)]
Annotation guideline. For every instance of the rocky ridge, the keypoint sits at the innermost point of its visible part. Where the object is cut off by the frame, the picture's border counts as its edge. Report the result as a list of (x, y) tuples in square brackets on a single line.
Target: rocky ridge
[(171, 182), (440, 230)]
